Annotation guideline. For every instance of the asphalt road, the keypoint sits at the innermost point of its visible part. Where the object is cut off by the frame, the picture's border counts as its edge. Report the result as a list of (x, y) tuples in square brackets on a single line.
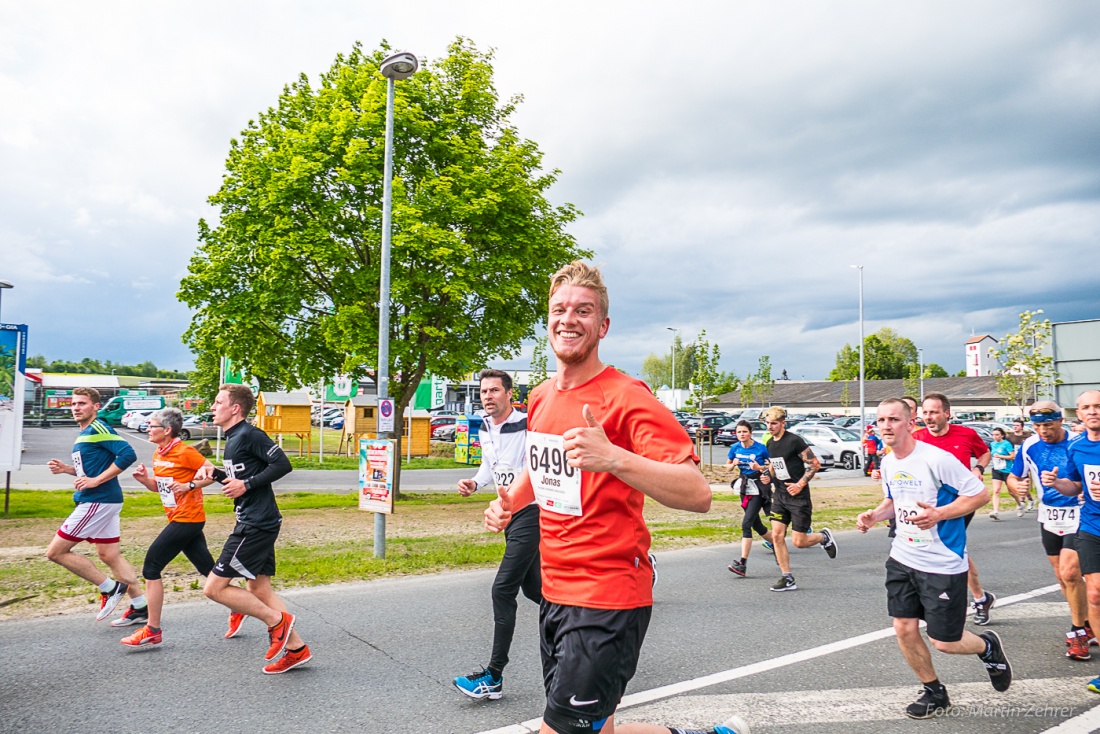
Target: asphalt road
[(817, 660)]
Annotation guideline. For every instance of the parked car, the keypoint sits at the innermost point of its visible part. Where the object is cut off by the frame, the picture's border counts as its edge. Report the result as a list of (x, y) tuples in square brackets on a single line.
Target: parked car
[(337, 423), (727, 434), (846, 421), (985, 433), (709, 425), (840, 441), (328, 416), (443, 420), (135, 418), (198, 426), (444, 433), (824, 456)]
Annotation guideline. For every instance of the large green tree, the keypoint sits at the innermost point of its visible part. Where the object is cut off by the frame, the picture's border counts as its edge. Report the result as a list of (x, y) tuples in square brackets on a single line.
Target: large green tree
[(886, 355), (286, 283)]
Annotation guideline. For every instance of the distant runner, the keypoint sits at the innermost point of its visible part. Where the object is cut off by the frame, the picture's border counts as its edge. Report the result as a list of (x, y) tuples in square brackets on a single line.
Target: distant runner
[(963, 443), (503, 456), (926, 574), (1083, 478), (1059, 517), (252, 462), (173, 478), (792, 465), (99, 456), (754, 485)]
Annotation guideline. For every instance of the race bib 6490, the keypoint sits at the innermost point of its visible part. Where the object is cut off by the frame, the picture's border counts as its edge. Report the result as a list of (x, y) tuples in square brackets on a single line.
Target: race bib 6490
[(557, 485)]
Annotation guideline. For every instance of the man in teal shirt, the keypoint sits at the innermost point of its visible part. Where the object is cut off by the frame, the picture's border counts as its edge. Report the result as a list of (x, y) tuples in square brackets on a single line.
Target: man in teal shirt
[(99, 456)]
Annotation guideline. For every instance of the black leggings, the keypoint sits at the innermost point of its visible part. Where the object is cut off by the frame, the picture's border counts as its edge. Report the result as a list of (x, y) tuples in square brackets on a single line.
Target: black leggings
[(752, 520), (519, 569), (177, 537)]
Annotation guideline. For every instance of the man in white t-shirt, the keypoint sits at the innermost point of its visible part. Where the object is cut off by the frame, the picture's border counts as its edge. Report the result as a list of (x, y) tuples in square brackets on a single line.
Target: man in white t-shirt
[(503, 455), (929, 492)]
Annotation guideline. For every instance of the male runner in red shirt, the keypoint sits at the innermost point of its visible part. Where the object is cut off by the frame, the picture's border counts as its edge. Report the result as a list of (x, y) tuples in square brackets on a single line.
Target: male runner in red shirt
[(598, 443), (962, 443)]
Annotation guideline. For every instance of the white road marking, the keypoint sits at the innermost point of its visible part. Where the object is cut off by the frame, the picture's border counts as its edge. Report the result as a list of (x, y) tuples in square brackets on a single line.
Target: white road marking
[(1086, 723), (674, 689), (1023, 702)]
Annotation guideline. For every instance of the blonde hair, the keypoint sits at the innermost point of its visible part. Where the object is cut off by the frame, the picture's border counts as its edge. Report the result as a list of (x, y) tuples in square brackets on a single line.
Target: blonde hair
[(775, 413), (582, 275)]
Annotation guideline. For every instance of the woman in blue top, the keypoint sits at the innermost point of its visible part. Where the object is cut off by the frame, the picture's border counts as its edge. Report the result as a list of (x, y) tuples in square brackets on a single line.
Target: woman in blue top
[(1003, 454), (750, 457)]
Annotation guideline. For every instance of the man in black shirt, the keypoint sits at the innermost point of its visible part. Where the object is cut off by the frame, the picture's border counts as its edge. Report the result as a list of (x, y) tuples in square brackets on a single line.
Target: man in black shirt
[(252, 462), (793, 464)]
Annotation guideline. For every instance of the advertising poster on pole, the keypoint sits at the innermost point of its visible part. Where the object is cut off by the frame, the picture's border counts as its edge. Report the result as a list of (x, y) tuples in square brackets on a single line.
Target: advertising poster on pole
[(13, 371), (376, 475)]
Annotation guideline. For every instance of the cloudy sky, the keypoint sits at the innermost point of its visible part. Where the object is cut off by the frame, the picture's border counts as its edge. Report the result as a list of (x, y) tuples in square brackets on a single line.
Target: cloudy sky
[(732, 159)]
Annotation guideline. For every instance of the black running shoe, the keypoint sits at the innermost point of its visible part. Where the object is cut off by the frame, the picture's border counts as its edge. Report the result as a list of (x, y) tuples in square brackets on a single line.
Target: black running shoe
[(996, 664), (828, 543), (737, 567), (929, 704), (981, 610)]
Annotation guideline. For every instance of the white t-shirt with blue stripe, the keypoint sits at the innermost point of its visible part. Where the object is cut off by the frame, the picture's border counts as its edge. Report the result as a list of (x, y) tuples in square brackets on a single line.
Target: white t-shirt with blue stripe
[(934, 477)]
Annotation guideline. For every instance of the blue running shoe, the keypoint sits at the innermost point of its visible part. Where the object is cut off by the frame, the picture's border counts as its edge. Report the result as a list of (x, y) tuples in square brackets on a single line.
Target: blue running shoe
[(481, 684), (1094, 685), (733, 725), (769, 547)]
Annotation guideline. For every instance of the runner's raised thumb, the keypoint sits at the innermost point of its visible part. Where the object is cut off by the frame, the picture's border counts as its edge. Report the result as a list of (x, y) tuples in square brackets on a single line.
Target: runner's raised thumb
[(591, 419)]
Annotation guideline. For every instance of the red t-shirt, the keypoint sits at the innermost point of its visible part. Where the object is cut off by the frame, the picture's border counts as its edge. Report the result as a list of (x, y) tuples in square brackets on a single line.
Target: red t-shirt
[(599, 559), (959, 441)]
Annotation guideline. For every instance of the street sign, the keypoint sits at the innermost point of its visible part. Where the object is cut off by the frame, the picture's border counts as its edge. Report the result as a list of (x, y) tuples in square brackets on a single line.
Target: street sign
[(385, 415)]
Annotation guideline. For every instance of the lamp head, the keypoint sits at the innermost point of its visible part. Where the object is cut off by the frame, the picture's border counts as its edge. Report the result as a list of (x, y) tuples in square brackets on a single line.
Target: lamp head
[(400, 65)]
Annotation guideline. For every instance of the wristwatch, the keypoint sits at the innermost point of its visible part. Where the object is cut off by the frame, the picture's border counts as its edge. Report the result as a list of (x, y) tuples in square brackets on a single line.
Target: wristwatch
[(980, 468), (190, 485)]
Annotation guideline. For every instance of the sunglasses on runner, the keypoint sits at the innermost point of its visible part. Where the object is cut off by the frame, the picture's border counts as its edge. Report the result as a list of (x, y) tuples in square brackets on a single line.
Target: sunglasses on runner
[(1045, 415)]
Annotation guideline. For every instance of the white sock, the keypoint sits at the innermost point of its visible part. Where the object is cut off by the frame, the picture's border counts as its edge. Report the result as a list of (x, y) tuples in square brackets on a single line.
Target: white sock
[(983, 600), (138, 602), (107, 586)]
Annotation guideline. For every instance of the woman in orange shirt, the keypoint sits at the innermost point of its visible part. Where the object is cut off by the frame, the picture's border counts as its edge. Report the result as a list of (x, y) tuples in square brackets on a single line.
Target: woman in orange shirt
[(174, 467)]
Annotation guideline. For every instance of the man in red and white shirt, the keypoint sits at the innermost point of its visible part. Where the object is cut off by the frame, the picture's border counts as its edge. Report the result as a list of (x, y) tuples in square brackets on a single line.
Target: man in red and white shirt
[(964, 444)]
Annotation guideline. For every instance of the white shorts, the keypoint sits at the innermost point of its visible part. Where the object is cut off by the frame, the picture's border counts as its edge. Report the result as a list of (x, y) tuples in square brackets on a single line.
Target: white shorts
[(95, 522)]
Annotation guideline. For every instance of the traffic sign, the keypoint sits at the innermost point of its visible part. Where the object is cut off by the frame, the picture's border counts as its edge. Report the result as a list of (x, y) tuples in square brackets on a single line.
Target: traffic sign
[(385, 415)]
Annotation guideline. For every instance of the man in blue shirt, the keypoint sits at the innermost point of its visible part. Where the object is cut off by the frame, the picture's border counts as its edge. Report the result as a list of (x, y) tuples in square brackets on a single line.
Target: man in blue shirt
[(1046, 450), (99, 456), (1083, 477)]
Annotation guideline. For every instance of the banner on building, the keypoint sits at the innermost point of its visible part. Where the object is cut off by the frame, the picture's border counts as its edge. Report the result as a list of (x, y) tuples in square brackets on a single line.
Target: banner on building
[(13, 374)]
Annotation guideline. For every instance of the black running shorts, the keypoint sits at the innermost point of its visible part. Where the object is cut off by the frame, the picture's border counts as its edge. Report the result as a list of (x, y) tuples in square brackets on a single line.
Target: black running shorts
[(176, 538), (796, 512), (1054, 544), (1088, 552), (588, 657), (248, 552), (939, 599)]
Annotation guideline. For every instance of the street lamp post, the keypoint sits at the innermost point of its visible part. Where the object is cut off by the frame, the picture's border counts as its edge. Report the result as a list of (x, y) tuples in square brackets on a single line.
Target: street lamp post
[(675, 402), (920, 366), (395, 68), (4, 285), (862, 403)]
